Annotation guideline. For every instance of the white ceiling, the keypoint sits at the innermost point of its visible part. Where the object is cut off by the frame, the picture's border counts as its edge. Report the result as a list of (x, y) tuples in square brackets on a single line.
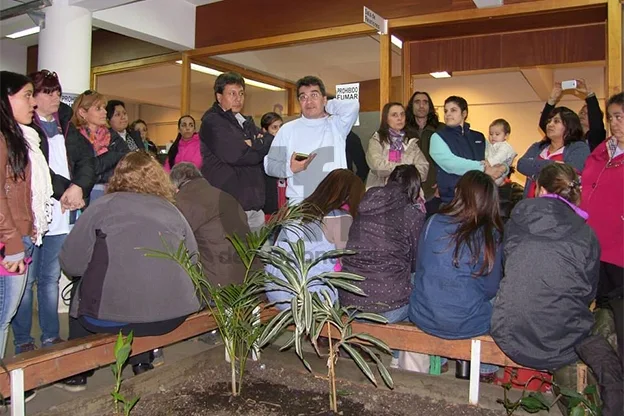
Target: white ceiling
[(335, 62)]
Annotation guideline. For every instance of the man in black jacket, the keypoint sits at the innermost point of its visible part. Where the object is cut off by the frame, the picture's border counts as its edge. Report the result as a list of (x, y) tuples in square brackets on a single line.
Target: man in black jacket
[(233, 148)]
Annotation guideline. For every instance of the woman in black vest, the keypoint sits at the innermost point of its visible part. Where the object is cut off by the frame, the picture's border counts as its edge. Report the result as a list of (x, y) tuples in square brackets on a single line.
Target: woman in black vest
[(456, 149)]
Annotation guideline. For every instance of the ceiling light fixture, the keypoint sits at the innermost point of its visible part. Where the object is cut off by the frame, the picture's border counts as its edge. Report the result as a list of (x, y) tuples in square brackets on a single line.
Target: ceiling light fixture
[(441, 74), (23, 33), (214, 72), (484, 4), (396, 41)]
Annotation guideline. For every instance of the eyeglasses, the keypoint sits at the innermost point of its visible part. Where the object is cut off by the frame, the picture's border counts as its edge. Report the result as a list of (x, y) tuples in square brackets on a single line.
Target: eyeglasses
[(312, 96), (88, 92)]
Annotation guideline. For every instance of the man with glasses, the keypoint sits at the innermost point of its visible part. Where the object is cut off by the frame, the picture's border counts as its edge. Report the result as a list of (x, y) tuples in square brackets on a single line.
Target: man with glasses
[(305, 150), (233, 148)]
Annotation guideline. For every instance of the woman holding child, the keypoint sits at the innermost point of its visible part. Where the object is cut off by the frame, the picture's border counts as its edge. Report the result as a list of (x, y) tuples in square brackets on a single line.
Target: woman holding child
[(457, 149)]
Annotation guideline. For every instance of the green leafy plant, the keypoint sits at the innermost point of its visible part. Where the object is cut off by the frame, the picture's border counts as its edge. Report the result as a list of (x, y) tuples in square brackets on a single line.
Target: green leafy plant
[(235, 307), (122, 350), (586, 403), (311, 313)]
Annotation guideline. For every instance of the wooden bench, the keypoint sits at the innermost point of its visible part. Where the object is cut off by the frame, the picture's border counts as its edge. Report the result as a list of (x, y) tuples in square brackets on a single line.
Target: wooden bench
[(45, 366), (48, 365), (407, 337)]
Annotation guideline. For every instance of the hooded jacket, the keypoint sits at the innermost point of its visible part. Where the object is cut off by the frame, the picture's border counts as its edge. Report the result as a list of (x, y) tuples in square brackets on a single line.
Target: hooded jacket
[(384, 234), (228, 162), (541, 310)]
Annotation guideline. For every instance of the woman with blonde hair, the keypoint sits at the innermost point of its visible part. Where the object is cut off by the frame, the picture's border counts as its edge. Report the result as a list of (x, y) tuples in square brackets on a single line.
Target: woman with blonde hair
[(89, 128), (121, 289)]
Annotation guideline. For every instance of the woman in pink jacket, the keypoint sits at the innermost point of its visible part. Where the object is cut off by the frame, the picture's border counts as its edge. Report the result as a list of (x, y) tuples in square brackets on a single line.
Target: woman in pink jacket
[(603, 199), (185, 148)]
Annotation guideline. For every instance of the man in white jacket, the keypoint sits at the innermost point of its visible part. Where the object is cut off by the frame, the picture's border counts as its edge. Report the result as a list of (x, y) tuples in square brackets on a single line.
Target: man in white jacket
[(305, 150)]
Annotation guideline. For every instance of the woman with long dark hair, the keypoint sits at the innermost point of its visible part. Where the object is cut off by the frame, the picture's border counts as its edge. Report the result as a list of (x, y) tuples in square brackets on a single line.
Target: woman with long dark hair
[(392, 145), (459, 265), (70, 186), (25, 192), (563, 143), (384, 236), (330, 210), (186, 147)]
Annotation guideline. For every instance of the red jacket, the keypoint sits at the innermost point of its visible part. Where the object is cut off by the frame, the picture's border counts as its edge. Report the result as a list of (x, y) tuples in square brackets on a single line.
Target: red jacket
[(603, 199)]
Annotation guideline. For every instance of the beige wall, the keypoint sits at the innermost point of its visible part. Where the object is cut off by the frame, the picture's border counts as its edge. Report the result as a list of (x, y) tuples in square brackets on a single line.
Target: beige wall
[(509, 96)]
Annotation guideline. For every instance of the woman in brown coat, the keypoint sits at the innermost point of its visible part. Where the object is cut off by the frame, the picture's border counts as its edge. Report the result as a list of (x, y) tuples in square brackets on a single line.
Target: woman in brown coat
[(25, 192)]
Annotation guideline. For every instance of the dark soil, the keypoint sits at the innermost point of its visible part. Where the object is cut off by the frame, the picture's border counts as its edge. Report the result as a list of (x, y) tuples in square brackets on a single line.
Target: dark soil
[(277, 391)]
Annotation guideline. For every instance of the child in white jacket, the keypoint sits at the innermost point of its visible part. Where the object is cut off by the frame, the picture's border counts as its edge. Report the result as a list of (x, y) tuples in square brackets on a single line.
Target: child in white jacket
[(498, 150)]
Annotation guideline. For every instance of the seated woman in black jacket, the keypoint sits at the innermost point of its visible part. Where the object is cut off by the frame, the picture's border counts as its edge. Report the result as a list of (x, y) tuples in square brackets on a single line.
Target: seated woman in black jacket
[(88, 130), (552, 258)]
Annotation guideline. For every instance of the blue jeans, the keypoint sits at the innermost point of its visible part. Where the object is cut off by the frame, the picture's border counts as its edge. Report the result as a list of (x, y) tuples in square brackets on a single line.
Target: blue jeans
[(45, 270), (11, 290), (394, 316)]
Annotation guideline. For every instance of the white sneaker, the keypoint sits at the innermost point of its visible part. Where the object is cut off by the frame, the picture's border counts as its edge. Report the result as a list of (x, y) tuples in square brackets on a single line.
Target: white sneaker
[(394, 363)]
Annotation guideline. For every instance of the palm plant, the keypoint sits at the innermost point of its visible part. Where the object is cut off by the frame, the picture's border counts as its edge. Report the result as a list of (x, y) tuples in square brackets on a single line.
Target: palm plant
[(235, 307), (311, 313)]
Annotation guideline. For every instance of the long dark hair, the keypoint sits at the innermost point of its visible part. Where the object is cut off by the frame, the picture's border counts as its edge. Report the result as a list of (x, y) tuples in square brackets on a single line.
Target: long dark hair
[(173, 150), (408, 177), (475, 208), (340, 187), (17, 150), (384, 129), (573, 129), (432, 116)]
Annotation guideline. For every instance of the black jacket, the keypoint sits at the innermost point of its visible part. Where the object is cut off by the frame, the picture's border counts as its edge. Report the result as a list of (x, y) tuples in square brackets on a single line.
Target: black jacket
[(356, 156), (596, 133), (104, 164), (228, 162), (552, 258), (130, 135)]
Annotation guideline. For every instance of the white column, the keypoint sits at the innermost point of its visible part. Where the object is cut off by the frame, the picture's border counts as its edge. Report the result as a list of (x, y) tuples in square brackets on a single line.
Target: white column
[(65, 45)]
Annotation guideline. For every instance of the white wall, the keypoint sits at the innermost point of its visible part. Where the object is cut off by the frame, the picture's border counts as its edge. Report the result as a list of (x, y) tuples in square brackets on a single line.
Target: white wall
[(12, 56), (508, 95)]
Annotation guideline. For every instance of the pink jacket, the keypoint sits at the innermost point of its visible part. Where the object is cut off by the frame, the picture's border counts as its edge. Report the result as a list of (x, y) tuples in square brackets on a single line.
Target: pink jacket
[(603, 199), (188, 151)]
